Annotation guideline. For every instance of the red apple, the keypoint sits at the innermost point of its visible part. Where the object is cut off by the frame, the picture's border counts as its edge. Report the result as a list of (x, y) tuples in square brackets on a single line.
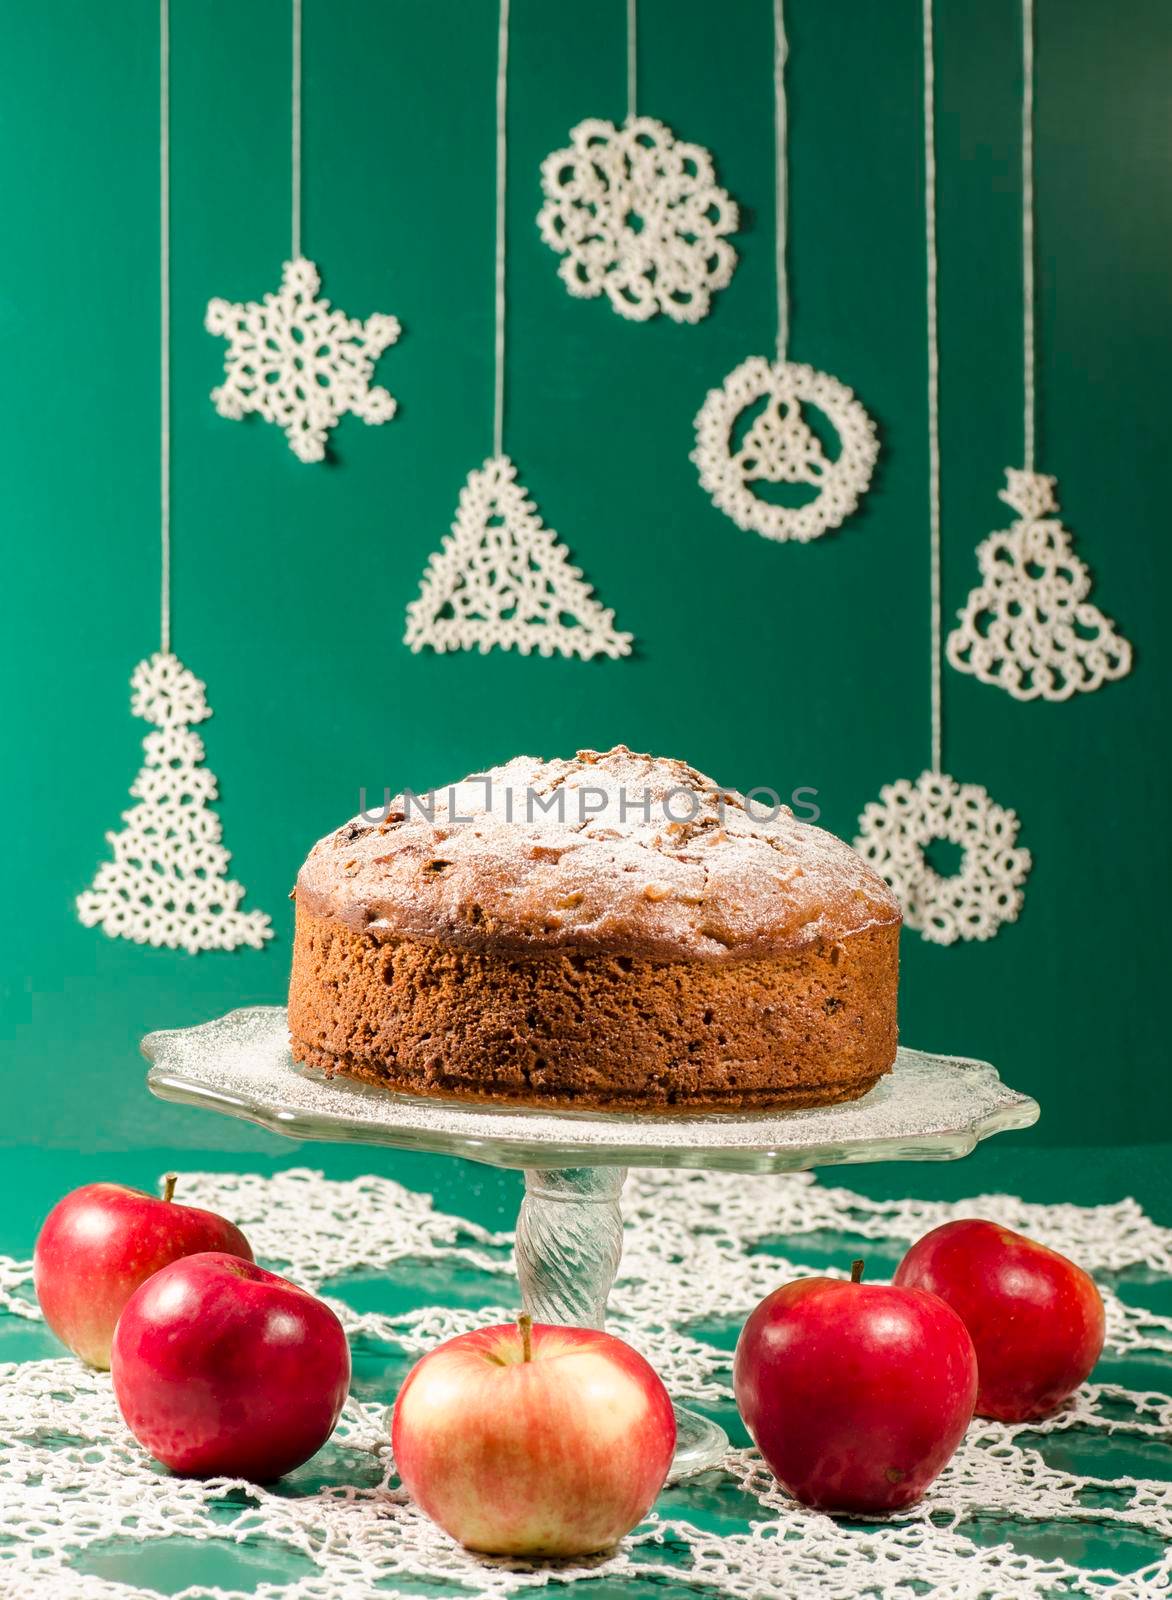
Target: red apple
[(100, 1242), (856, 1394), (1035, 1318), (532, 1440), (222, 1369)]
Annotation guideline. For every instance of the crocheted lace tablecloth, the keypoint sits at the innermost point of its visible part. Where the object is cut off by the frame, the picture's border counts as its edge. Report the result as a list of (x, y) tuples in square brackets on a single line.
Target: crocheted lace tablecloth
[(1078, 1505)]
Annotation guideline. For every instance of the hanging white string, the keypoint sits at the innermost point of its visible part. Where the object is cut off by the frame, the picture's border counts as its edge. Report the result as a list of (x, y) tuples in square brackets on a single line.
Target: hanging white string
[(632, 56), (1027, 233), (502, 106), (933, 373), (295, 112), (780, 176), (165, 323)]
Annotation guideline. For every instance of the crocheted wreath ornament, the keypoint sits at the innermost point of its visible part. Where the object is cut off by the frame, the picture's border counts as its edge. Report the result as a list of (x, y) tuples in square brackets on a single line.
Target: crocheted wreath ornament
[(896, 830), (780, 447)]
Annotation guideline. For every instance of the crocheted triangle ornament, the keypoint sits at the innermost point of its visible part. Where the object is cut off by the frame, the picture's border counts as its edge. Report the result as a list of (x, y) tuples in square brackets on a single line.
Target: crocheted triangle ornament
[(897, 830), (501, 578), (1029, 627), (638, 215), (779, 446), (299, 362), (166, 883)]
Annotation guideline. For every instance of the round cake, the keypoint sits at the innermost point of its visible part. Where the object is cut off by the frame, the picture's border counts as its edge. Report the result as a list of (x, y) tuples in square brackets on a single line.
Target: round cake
[(612, 932)]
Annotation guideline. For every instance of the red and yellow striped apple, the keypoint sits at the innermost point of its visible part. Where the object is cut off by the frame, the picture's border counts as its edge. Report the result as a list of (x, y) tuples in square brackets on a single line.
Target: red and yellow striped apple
[(533, 1440)]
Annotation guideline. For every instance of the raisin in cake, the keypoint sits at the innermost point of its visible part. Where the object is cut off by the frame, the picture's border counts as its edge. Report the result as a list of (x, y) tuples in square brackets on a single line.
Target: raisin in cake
[(614, 931)]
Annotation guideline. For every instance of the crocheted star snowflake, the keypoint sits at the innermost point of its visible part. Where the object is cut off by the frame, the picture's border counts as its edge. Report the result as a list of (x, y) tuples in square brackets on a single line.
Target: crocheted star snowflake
[(501, 578), (986, 890), (780, 446), (1029, 627), (639, 216), (166, 883), (299, 362)]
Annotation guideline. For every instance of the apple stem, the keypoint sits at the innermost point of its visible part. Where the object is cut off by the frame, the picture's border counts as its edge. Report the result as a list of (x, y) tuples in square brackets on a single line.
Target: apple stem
[(856, 1271), (525, 1323), (169, 1181)]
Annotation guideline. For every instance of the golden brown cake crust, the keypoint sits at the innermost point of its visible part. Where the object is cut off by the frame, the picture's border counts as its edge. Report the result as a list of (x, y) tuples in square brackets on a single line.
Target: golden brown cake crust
[(593, 1030), (594, 951)]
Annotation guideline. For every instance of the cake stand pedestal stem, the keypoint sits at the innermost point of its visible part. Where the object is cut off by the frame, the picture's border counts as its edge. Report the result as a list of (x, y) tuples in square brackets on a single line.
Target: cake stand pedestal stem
[(569, 1244)]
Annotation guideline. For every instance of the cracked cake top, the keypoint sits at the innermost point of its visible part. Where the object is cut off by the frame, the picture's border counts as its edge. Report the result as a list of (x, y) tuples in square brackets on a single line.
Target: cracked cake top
[(639, 855)]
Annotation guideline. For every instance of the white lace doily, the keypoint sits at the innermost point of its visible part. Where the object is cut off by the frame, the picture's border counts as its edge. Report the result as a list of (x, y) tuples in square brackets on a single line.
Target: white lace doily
[(779, 446), (1029, 626), (638, 215), (896, 830), (299, 362), (166, 884), (701, 1249), (501, 578)]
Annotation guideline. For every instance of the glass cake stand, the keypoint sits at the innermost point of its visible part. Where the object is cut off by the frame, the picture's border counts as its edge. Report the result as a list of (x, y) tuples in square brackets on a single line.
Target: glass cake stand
[(570, 1229)]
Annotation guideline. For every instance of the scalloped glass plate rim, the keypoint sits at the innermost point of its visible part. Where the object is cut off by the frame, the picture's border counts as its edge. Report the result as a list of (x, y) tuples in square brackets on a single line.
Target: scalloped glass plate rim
[(240, 1064)]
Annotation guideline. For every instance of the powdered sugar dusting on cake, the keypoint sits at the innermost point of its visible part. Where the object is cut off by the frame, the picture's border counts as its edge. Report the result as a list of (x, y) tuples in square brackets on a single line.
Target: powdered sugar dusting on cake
[(629, 852)]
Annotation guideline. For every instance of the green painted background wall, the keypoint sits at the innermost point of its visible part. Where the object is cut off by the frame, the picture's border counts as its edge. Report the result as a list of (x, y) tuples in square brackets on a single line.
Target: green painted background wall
[(762, 664)]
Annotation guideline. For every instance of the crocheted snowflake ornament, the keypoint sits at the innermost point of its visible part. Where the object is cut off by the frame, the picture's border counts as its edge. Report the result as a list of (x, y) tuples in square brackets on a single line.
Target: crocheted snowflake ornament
[(779, 446), (638, 215), (501, 578), (1029, 627), (166, 884), (896, 830), (299, 362)]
